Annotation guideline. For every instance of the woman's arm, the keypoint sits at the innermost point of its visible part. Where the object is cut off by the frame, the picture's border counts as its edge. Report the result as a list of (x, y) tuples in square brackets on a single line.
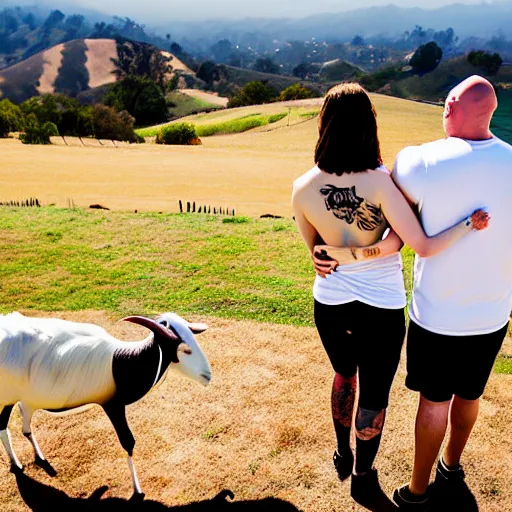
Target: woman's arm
[(343, 255), (403, 220)]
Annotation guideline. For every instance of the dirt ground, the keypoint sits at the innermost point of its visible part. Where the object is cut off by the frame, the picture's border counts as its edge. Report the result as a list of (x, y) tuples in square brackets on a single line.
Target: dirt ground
[(261, 429), (251, 172)]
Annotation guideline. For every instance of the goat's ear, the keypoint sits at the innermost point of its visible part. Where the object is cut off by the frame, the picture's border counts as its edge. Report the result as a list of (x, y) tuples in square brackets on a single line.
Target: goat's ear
[(197, 328), (151, 325)]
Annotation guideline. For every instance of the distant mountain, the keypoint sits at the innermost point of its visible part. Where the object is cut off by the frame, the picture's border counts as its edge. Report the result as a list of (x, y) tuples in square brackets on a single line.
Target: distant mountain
[(83, 67), (481, 20)]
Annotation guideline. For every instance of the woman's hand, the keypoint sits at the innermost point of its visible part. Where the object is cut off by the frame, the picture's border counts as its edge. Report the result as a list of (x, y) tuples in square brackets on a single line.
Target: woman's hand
[(324, 264), (479, 220)]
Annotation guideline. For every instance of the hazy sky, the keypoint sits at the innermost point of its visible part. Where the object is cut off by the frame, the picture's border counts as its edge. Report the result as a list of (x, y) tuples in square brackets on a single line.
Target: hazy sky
[(166, 10)]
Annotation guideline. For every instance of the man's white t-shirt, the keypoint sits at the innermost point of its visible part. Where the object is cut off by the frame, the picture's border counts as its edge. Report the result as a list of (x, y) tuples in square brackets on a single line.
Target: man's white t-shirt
[(466, 289)]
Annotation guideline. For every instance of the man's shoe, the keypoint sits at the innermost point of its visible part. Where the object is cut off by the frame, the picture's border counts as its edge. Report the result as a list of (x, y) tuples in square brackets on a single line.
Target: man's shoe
[(365, 489), (405, 500), (446, 475), (343, 464)]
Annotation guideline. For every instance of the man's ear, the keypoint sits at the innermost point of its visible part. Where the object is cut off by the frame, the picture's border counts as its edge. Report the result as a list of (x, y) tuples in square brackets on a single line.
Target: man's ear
[(448, 109)]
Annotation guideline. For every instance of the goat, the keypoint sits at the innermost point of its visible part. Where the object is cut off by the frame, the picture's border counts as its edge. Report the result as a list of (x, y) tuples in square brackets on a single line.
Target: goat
[(60, 366)]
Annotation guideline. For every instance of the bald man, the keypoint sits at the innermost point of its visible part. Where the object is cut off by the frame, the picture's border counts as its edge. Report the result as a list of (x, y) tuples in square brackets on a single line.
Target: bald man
[(462, 297)]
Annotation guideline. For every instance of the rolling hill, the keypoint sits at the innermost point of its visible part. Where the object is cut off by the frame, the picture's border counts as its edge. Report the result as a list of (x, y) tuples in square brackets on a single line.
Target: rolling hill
[(84, 65)]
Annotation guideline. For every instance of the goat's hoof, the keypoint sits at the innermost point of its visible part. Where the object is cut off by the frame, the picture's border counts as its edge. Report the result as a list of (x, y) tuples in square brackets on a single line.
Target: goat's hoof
[(45, 466), (17, 470)]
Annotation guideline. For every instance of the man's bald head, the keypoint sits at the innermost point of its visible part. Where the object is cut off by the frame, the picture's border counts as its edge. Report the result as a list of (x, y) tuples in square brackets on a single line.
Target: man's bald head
[(469, 108)]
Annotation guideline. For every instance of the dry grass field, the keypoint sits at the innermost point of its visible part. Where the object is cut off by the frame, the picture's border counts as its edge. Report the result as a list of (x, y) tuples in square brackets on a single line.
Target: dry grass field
[(261, 429), (251, 172)]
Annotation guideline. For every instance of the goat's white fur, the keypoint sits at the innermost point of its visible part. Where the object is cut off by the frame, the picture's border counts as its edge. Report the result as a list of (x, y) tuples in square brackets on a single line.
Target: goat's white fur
[(55, 364)]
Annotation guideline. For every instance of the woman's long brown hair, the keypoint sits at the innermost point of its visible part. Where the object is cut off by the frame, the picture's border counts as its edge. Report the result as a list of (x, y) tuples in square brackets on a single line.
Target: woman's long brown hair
[(348, 139)]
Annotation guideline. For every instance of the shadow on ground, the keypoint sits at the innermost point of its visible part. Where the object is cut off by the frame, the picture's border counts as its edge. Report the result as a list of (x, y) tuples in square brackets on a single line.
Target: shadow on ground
[(44, 498), (460, 499)]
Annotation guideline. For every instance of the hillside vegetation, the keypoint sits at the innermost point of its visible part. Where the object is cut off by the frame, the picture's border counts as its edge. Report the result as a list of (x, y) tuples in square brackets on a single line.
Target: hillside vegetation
[(81, 66), (434, 86)]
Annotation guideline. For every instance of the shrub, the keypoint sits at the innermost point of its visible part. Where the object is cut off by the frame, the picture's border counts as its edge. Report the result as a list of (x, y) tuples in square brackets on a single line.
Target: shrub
[(177, 134), (111, 125), (490, 62), (295, 92), (39, 134)]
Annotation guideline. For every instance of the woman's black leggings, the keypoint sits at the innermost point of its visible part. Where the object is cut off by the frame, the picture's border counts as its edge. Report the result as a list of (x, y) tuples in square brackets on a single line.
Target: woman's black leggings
[(359, 337)]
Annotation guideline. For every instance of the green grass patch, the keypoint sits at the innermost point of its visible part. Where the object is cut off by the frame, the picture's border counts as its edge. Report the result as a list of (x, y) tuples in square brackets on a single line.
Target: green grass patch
[(309, 114), (72, 260), (235, 220), (233, 267), (239, 125), (274, 118), (504, 365)]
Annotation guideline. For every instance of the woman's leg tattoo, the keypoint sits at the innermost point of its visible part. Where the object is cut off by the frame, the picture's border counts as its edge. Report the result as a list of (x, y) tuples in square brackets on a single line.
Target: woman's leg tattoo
[(342, 401), (369, 426)]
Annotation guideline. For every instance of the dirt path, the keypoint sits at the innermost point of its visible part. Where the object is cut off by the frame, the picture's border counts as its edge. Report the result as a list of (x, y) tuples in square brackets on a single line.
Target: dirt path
[(262, 428)]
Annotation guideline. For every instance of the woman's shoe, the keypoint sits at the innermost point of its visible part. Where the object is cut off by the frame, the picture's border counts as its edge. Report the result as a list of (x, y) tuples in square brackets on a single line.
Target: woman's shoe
[(405, 500), (343, 464)]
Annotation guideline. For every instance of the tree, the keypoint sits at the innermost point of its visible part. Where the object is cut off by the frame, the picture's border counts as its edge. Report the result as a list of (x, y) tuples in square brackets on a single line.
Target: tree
[(141, 97), (222, 50), (210, 72), (44, 109), (490, 63), (358, 41), (54, 20), (303, 70), (11, 118), (253, 93), (426, 58), (295, 92), (266, 65)]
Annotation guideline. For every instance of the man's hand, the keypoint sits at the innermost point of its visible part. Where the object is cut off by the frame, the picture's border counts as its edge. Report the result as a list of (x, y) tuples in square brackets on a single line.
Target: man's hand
[(324, 264)]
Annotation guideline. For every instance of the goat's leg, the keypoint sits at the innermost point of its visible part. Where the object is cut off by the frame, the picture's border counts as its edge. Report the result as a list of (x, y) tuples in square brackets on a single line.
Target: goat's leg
[(5, 436), (117, 415), (26, 416)]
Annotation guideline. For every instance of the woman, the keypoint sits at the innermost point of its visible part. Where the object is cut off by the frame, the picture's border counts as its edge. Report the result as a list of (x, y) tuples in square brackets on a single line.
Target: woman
[(349, 200)]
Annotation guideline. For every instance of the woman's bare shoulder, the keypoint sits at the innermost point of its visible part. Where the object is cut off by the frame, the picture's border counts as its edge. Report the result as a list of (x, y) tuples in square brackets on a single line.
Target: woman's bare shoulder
[(304, 181)]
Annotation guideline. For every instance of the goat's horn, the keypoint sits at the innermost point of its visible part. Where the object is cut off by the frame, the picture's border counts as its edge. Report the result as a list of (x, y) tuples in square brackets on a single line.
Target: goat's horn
[(151, 325), (197, 328)]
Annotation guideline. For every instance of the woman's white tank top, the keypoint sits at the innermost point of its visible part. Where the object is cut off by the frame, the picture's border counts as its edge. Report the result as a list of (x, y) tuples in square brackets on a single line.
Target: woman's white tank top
[(378, 283)]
